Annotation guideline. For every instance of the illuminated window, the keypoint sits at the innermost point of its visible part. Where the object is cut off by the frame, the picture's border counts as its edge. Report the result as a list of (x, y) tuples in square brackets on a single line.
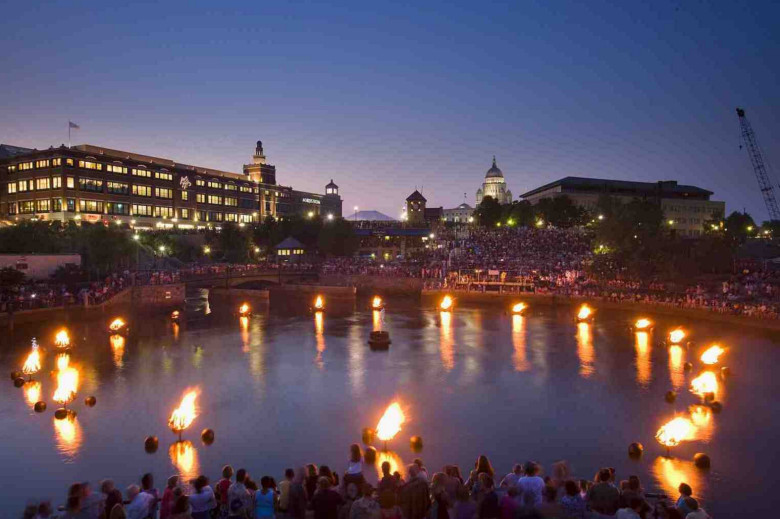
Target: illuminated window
[(43, 183), (246, 189), (70, 204), (162, 175), (200, 198), (142, 210), (163, 212), (215, 200), (231, 201), (161, 192), (118, 188), (245, 218), (43, 206), (231, 217), (230, 187), (91, 206), (185, 195), (56, 204), (86, 164), (91, 184), (12, 187), (141, 190), (214, 216), (27, 207), (117, 208), (42, 163), (200, 182), (12, 169), (24, 166), (70, 183), (140, 172), (23, 186), (185, 214), (214, 184), (113, 168), (56, 182), (56, 162), (13, 208), (69, 162)]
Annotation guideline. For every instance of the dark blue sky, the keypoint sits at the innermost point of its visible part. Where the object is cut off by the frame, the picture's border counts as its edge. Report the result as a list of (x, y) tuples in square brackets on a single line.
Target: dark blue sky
[(386, 97)]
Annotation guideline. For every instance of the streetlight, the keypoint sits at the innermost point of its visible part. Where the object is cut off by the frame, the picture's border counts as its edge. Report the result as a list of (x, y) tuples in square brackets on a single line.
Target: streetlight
[(671, 222), (161, 248), (601, 217), (356, 210), (257, 250), (330, 216), (136, 237), (206, 250), (311, 213)]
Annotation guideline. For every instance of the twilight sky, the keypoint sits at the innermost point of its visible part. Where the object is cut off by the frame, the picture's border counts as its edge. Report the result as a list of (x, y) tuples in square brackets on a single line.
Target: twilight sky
[(383, 97)]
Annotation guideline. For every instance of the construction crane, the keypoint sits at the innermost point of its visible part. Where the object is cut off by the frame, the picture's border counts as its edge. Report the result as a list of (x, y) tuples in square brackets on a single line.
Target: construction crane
[(759, 166)]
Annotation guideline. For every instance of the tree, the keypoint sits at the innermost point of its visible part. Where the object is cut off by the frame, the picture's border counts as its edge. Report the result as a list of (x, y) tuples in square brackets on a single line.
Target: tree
[(338, 238), (10, 277), (521, 213), (560, 211), (489, 212), (234, 243), (739, 227)]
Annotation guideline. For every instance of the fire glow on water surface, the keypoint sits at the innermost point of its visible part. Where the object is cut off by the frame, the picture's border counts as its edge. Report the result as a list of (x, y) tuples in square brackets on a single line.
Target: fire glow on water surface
[(446, 344), (67, 382), (520, 357), (676, 372), (32, 392), (184, 457), (390, 423), (319, 337), (585, 350), (118, 349), (68, 435), (644, 364)]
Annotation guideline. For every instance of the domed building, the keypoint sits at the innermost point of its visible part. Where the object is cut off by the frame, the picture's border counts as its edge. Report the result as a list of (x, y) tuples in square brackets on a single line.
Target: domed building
[(494, 186)]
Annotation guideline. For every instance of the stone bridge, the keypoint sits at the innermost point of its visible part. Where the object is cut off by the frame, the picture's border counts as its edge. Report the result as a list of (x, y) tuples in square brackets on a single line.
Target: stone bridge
[(248, 278)]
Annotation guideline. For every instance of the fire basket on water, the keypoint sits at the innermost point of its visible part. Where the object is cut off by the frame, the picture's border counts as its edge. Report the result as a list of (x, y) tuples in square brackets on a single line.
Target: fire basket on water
[(67, 384), (712, 354), (643, 324), (32, 364), (390, 423), (377, 303), (446, 304), (518, 308), (62, 339), (244, 310), (183, 416), (585, 314), (319, 304), (704, 384), (676, 336), (118, 325), (674, 432)]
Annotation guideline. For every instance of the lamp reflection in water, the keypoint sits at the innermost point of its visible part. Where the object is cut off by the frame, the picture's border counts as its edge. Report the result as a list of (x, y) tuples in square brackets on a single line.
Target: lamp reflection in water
[(68, 436), (676, 370), (118, 349), (244, 324), (644, 366), (701, 416), (519, 358), (376, 320), (319, 336), (446, 342), (184, 457), (32, 392), (670, 472), (705, 383), (585, 350)]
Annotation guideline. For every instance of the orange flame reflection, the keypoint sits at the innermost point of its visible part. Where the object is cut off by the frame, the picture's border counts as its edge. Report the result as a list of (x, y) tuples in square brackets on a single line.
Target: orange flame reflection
[(32, 392), (63, 361), (390, 423), (585, 350), (319, 336), (68, 435), (118, 347), (67, 385), (183, 416), (184, 457), (395, 461), (644, 365), (520, 359), (676, 372), (446, 345), (670, 472)]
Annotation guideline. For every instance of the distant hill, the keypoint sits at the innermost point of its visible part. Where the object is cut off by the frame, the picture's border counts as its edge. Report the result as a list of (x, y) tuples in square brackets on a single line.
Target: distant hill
[(369, 216)]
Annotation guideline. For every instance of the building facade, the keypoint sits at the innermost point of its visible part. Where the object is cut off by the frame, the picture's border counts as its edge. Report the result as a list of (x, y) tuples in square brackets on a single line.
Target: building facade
[(92, 183), (494, 186), (461, 214), (687, 208)]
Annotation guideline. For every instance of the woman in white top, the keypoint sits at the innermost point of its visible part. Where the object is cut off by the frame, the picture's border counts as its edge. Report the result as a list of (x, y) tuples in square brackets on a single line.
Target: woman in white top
[(354, 473), (202, 500)]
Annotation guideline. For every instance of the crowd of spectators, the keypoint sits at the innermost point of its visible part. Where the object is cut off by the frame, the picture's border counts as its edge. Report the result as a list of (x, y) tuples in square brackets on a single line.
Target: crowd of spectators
[(35, 295), (320, 493)]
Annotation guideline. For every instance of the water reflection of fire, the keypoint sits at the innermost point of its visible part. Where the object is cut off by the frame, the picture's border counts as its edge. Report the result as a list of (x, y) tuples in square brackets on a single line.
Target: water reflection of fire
[(62, 339), (243, 322), (712, 354), (63, 361), (446, 303), (585, 350), (644, 365), (446, 344), (68, 435), (676, 372), (32, 392), (520, 359), (183, 416), (118, 347), (390, 423), (319, 336), (67, 384), (701, 416), (670, 472), (705, 383), (675, 431), (184, 457)]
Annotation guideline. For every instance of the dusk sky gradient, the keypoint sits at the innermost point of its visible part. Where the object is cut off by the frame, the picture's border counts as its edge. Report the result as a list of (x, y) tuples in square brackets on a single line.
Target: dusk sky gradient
[(383, 97)]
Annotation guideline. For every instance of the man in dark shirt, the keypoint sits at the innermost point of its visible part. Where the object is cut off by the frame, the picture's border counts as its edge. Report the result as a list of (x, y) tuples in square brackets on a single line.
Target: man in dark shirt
[(604, 497), (413, 496), (326, 501)]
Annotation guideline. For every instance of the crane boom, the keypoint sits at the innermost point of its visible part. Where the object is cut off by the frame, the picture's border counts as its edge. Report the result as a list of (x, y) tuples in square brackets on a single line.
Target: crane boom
[(759, 166)]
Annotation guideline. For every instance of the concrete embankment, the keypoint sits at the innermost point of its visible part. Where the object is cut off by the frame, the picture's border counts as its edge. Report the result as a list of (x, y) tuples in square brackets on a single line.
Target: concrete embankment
[(431, 297)]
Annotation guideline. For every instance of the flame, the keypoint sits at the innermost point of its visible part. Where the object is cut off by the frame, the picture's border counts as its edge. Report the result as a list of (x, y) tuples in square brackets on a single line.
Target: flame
[(63, 361), (707, 382), (118, 346), (519, 359), (446, 303), (676, 366), (377, 303), (676, 336), (182, 416), (319, 304), (243, 309), (643, 324), (33, 363), (446, 343), (585, 350), (675, 432), (644, 364), (175, 314), (184, 457), (584, 313), (391, 422), (711, 355), (67, 384), (68, 435), (32, 392), (116, 325), (62, 339), (518, 308)]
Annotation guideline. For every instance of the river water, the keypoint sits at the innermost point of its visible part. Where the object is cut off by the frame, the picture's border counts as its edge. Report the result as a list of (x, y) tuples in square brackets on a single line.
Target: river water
[(285, 387)]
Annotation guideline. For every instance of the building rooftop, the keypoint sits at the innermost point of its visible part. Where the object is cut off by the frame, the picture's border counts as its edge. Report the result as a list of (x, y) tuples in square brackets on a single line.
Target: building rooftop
[(416, 197), (624, 187), (290, 243), (8, 150)]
